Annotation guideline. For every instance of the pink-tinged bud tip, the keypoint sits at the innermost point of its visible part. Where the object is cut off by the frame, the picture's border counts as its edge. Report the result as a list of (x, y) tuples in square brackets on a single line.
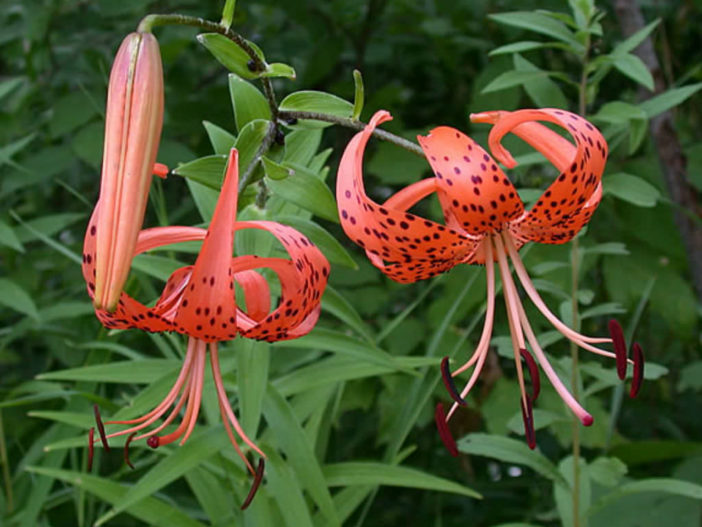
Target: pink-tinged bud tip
[(132, 131)]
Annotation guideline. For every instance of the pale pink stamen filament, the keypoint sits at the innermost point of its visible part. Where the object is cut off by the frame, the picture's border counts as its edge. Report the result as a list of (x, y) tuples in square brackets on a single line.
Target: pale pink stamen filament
[(157, 412), (481, 351), (572, 335), (489, 313), (224, 401), (192, 410), (541, 305), (567, 397), (512, 304)]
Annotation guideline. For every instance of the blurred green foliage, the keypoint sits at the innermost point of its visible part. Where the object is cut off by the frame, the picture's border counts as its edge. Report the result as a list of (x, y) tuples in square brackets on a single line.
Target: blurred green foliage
[(348, 407)]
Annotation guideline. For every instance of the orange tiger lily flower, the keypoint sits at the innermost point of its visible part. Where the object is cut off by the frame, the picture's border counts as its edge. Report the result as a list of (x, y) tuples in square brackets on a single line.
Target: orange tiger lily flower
[(199, 301), (133, 123), (486, 222)]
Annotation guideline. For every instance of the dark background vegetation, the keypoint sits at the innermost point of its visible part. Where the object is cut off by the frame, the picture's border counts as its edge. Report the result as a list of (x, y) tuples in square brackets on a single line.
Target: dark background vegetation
[(426, 62)]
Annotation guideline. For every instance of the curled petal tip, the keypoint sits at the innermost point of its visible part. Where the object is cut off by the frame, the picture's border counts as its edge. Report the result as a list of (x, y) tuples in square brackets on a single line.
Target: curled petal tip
[(490, 117), (449, 384), (379, 117)]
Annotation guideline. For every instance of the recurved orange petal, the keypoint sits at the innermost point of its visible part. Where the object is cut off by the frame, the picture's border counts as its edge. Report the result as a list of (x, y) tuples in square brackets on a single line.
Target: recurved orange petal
[(302, 280), (403, 245), (475, 194), (568, 202)]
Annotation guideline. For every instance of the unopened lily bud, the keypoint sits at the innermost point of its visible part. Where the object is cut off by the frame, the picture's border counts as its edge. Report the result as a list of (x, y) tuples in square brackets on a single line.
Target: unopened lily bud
[(132, 131)]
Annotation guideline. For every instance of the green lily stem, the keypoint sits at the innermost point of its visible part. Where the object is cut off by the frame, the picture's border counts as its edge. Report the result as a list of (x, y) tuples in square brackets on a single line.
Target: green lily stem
[(7, 479), (354, 124), (265, 145), (575, 261)]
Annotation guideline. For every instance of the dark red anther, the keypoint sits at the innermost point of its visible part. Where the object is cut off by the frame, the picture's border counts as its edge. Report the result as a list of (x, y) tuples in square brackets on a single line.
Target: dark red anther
[(101, 428), (444, 432), (258, 477), (91, 448), (153, 441), (528, 417), (615, 331), (126, 450), (448, 382), (533, 374), (638, 357)]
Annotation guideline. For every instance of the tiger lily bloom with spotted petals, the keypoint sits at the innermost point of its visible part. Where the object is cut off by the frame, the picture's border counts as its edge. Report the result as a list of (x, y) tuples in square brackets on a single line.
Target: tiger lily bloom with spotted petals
[(133, 121), (199, 301), (486, 222)]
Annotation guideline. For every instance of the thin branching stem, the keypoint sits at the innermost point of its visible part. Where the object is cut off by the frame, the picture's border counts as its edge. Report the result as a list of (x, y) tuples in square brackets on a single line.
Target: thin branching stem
[(355, 125)]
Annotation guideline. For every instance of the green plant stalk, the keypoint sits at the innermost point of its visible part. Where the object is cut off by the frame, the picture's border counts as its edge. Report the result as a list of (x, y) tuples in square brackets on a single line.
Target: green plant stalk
[(354, 124), (7, 480), (575, 266)]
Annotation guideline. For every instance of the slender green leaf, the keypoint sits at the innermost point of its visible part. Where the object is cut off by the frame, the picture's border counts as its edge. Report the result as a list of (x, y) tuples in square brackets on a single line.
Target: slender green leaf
[(151, 510), (179, 462), (306, 191), (293, 441), (370, 473), (16, 298), (631, 43), (668, 99), (519, 47), (318, 102), (539, 22), (665, 485), (634, 68), (207, 170), (221, 140), (229, 54), (631, 188), (249, 104), (9, 238), (512, 78), (278, 69), (285, 489), (132, 371), (275, 170), (510, 451)]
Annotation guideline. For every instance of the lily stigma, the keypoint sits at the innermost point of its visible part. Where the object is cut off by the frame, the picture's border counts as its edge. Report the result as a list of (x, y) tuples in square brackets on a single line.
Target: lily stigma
[(486, 223), (199, 301)]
